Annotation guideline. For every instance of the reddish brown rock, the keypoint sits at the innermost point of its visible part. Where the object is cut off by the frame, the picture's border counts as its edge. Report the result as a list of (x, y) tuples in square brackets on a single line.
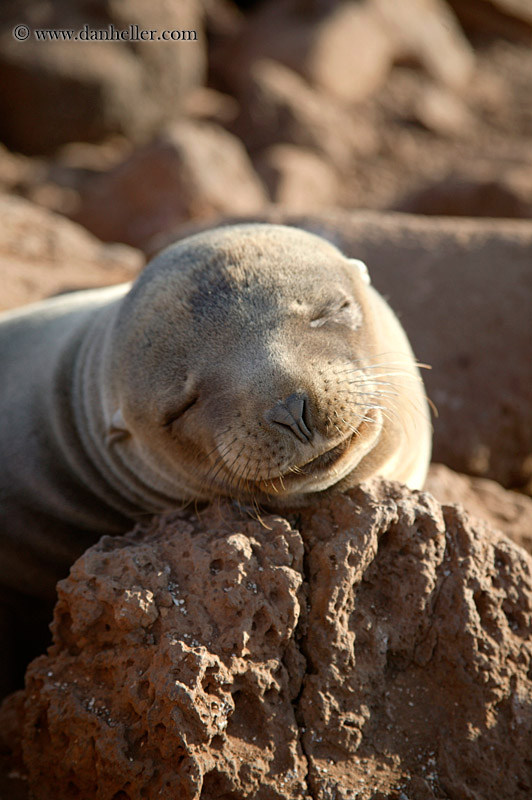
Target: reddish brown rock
[(44, 253), (297, 178), (54, 92), (347, 49), (203, 657), (192, 170), (411, 642), (344, 49), (14, 170), (428, 31), (442, 112), (511, 18), (211, 106), (55, 183), (509, 512), (494, 195), (277, 105), (175, 656)]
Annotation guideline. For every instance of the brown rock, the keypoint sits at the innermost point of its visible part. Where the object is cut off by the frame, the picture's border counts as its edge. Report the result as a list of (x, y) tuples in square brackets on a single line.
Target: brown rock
[(463, 291), (55, 183), (442, 112), (192, 170), (509, 512), (297, 178), (428, 31), (59, 91), (43, 254), (211, 106), (349, 54), (510, 18), (344, 50), (520, 9), (496, 195), (278, 105), (410, 646), (190, 639), (204, 658), (13, 778), (14, 170), (347, 49)]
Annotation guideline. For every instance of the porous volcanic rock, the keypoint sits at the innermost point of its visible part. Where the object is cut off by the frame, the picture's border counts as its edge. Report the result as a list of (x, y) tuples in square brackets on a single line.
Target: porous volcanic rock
[(510, 512), (44, 254), (191, 170), (58, 90), (174, 667), (375, 644)]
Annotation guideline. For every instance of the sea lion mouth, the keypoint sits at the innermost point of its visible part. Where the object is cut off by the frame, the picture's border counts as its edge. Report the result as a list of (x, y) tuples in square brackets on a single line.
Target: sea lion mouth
[(324, 460), (279, 484), (327, 467)]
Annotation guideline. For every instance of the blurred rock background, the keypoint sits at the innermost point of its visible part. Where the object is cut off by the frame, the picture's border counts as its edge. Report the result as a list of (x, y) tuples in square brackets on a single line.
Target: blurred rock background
[(422, 106)]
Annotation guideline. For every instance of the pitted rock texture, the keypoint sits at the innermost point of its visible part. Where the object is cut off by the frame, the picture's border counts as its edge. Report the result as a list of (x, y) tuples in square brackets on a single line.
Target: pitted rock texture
[(510, 512), (167, 678), (418, 678), (373, 645)]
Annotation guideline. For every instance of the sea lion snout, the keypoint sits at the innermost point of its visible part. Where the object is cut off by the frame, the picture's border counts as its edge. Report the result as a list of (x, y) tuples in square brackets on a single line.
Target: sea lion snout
[(293, 414)]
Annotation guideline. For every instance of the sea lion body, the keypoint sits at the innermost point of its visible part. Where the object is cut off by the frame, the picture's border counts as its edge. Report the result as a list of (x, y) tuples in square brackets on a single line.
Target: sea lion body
[(252, 361)]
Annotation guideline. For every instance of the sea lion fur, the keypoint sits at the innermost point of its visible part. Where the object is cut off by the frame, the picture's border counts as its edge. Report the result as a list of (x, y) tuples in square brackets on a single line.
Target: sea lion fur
[(252, 361)]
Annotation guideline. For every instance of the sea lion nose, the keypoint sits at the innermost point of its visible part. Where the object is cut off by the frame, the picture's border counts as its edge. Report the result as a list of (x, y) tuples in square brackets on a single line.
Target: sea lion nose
[(289, 413)]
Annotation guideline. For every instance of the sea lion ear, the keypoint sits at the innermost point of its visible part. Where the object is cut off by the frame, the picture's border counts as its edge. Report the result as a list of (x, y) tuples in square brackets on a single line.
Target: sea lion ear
[(117, 428), (362, 269)]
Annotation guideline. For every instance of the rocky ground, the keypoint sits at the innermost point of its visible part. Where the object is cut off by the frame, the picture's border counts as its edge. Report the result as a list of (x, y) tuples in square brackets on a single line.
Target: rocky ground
[(357, 104), (376, 645)]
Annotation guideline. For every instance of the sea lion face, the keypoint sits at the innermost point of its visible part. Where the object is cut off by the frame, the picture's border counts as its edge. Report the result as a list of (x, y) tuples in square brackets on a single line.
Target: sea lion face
[(246, 363)]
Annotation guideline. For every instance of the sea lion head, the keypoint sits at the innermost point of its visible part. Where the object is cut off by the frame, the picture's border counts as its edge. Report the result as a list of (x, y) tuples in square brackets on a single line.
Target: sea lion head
[(247, 362)]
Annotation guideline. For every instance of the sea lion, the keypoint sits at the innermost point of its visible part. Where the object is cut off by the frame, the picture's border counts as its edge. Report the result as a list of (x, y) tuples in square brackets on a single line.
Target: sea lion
[(252, 361)]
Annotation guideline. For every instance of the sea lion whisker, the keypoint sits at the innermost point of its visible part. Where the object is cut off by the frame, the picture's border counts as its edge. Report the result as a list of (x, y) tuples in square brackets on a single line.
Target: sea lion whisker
[(222, 464), (206, 456), (215, 448), (220, 457), (243, 479), (257, 516), (295, 469), (377, 393)]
